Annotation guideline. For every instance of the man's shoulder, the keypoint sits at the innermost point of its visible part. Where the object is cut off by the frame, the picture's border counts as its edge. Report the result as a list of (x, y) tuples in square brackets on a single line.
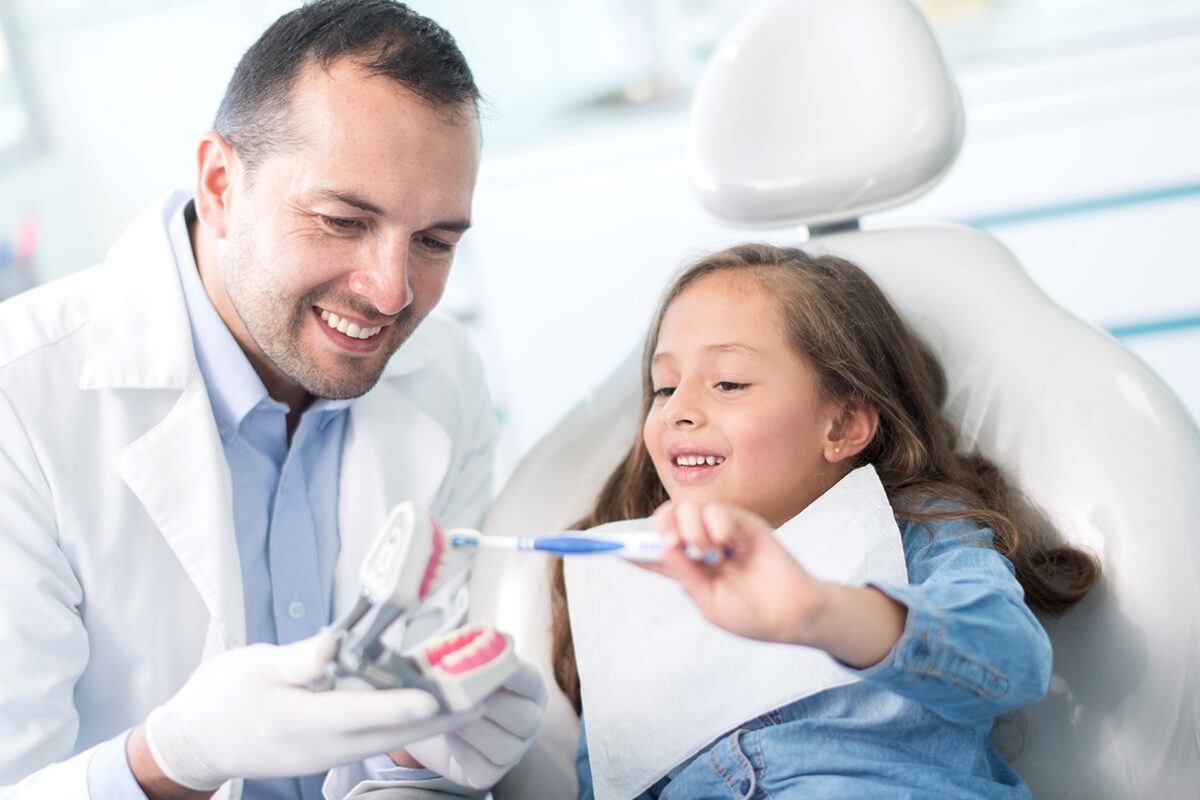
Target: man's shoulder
[(46, 315), (131, 276)]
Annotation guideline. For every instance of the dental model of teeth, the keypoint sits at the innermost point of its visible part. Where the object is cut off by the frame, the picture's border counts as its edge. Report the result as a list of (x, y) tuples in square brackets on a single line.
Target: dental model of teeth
[(401, 569), (351, 329), (405, 561), (468, 664)]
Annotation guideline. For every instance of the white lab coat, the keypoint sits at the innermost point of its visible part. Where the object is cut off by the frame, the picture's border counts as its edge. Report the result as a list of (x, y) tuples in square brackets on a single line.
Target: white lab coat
[(119, 568)]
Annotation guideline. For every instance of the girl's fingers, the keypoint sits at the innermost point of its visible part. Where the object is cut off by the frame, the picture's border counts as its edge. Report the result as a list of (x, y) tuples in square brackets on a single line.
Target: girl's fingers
[(692, 529), (665, 519), (721, 524), (691, 575), (730, 526)]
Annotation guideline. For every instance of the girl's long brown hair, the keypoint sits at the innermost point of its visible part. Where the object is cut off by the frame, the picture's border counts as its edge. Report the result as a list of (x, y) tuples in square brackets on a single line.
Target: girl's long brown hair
[(861, 349)]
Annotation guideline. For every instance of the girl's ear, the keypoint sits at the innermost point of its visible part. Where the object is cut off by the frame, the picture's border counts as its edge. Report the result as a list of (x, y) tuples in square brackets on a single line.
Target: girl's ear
[(215, 163), (852, 431)]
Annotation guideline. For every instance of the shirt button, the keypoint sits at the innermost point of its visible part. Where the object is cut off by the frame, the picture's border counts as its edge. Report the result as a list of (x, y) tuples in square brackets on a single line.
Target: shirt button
[(296, 609)]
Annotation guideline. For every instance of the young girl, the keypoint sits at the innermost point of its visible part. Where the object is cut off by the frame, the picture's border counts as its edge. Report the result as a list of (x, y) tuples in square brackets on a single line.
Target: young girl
[(768, 377)]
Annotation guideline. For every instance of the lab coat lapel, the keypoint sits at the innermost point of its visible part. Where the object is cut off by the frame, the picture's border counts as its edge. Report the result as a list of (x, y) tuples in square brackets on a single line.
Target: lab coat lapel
[(176, 465), (393, 452), (178, 471)]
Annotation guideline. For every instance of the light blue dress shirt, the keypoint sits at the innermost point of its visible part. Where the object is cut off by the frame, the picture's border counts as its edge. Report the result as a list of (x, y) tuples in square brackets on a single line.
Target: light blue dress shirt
[(284, 506)]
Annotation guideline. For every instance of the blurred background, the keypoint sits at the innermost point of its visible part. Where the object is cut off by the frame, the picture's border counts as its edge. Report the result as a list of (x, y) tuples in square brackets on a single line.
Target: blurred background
[(1081, 155)]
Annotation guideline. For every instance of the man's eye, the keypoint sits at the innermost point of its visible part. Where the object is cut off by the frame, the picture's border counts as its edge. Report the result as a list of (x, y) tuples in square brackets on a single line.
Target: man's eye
[(436, 244), (343, 224), (730, 386)]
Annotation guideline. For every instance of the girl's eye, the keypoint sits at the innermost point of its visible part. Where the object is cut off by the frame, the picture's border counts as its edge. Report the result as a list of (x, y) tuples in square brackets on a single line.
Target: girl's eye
[(730, 386), (664, 392), (343, 224)]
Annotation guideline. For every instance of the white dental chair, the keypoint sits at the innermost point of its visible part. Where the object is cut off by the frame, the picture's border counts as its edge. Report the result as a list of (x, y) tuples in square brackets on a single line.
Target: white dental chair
[(854, 111)]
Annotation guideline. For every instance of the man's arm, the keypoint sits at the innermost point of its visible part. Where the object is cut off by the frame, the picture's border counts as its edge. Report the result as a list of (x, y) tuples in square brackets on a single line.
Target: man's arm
[(41, 631)]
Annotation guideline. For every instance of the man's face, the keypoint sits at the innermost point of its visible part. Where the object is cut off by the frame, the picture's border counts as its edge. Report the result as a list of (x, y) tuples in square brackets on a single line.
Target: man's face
[(339, 246)]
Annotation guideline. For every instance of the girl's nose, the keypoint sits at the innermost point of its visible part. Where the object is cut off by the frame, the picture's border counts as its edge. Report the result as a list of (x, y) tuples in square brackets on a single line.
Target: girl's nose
[(681, 409)]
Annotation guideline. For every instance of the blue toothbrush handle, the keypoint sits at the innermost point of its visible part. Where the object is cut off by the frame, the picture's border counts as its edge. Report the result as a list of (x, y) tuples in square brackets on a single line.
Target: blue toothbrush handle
[(572, 544)]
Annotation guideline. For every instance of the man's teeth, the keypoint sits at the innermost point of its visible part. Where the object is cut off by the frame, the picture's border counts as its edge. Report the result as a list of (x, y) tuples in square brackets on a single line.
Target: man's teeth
[(699, 461), (347, 327)]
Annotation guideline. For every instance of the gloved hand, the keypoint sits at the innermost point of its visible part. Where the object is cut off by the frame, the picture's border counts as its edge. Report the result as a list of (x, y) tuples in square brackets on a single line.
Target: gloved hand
[(248, 714), (478, 753)]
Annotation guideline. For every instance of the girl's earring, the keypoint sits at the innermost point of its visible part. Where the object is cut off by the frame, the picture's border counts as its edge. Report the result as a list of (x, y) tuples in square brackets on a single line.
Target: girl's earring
[(837, 450)]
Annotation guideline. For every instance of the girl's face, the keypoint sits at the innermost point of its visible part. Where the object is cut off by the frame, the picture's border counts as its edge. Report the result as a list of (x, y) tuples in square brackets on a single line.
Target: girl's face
[(736, 414)]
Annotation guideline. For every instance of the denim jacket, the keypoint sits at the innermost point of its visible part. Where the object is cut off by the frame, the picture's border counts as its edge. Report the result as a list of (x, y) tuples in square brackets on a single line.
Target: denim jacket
[(916, 725)]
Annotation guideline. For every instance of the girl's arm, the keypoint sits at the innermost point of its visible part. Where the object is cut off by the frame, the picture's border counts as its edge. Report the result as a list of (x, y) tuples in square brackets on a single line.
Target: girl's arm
[(958, 639), (971, 647), (761, 592)]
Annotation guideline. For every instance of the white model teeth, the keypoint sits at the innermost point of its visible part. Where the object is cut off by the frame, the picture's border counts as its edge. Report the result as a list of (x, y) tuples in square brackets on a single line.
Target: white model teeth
[(466, 651), (699, 461), (347, 327), (458, 633)]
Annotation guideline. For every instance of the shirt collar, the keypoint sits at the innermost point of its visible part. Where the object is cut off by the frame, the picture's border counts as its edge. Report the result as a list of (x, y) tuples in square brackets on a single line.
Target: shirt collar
[(234, 388)]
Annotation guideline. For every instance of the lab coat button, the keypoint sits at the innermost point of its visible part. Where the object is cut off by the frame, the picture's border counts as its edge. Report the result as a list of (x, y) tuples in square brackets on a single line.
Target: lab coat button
[(296, 609)]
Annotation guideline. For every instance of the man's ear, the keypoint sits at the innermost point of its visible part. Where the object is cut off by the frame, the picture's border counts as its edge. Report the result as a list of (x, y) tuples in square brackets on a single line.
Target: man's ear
[(852, 431), (215, 169)]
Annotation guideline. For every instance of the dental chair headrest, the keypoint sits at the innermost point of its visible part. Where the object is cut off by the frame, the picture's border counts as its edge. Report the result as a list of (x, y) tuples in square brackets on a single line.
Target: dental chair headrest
[(863, 126)]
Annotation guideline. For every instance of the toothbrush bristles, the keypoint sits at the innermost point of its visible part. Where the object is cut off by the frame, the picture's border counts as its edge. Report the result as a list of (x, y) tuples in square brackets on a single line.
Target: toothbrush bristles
[(463, 542)]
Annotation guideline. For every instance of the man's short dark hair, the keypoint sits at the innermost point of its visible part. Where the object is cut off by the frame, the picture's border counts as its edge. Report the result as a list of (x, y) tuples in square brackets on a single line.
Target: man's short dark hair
[(384, 37)]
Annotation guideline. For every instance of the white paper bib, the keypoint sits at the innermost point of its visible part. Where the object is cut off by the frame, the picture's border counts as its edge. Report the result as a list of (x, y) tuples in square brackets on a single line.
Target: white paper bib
[(660, 682)]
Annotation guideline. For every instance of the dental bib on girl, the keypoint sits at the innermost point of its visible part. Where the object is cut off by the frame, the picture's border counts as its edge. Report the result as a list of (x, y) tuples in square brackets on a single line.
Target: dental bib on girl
[(665, 682)]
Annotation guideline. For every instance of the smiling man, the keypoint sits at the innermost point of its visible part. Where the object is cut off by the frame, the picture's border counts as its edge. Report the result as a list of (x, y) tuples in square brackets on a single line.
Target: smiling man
[(324, 258), (200, 438)]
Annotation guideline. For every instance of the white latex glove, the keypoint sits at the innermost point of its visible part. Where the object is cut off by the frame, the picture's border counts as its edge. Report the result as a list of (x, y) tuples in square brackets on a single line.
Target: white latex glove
[(248, 714), (478, 753)]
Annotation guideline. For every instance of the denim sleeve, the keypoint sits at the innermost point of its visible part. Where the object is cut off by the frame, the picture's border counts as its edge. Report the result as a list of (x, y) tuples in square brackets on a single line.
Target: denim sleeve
[(108, 772), (971, 649)]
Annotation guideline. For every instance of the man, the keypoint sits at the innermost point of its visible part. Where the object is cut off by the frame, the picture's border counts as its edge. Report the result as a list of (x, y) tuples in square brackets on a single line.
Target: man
[(200, 438)]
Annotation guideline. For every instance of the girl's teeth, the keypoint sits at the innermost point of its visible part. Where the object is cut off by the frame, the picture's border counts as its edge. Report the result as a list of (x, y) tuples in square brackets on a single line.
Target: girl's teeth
[(698, 461)]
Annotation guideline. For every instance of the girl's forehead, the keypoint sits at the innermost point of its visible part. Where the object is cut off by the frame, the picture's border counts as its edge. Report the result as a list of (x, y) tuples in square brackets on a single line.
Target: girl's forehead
[(727, 307), (727, 290)]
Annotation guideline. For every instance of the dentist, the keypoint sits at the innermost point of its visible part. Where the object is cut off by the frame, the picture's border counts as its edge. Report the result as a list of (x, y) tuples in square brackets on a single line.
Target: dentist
[(200, 437)]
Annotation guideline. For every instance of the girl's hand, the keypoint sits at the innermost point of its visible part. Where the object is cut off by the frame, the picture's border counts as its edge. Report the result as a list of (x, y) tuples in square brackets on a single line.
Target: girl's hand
[(752, 586), (755, 588)]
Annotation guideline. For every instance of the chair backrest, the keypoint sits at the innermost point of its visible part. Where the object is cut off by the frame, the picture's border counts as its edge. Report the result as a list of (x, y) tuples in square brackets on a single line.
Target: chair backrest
[(1084, 428)]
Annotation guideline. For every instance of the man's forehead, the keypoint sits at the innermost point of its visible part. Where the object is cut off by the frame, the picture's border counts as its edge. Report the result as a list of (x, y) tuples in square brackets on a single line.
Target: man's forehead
[(349, 73)]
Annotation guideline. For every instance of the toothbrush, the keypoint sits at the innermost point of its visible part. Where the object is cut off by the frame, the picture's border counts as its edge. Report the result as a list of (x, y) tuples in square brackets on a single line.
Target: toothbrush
[(635, 545)]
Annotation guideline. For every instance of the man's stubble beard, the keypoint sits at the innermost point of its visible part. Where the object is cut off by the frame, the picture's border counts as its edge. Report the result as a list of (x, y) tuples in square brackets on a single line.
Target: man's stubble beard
[(277, 331)]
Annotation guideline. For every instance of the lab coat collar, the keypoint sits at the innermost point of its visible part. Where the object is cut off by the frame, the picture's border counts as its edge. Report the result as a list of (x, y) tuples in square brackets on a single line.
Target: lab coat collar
[(143, 303)]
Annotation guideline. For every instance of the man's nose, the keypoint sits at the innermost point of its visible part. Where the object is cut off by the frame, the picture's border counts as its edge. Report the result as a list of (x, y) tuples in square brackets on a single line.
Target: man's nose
[(384, 281)]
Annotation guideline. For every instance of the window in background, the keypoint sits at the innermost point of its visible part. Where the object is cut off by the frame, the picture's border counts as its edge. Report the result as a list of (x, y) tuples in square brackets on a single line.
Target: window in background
[(17, 131), (18, 136)]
